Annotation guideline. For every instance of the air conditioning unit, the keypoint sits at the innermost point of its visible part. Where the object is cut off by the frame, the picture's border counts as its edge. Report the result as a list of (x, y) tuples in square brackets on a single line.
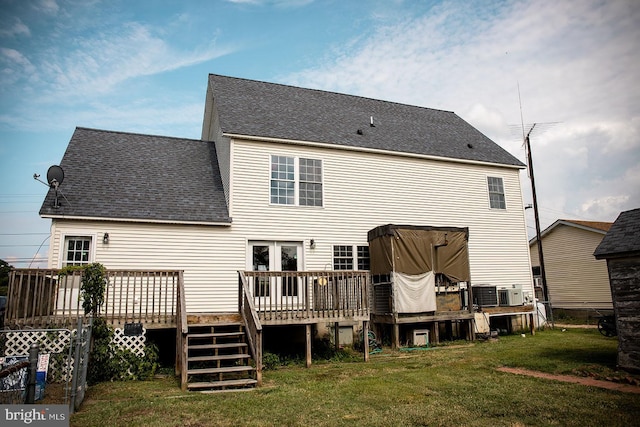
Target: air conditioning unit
[(420, 337), (511, 296), (485, 295)]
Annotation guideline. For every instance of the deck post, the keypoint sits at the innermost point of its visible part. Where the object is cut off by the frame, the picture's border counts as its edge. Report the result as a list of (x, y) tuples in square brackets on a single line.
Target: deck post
[(435, 332), (308, 344), (396, 336), (531, 324), (365, 340), (336, 335)]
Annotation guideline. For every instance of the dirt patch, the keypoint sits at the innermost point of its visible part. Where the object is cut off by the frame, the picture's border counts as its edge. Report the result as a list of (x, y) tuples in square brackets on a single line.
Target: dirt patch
[(609, 385)]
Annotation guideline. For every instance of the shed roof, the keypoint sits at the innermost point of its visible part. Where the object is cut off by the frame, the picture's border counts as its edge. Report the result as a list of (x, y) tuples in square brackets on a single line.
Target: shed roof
[(253, 108), (600, 227), (623, 238), (135, 177)]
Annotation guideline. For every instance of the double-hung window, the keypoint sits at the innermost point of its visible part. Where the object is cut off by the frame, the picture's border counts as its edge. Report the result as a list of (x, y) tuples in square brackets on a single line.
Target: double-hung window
[(296, 181), (496, 193), (77, 250), (345, 257)]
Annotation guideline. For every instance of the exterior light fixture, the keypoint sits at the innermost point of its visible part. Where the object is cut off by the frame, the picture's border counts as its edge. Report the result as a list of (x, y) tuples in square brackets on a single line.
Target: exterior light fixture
[(105, 238), (312, 244)]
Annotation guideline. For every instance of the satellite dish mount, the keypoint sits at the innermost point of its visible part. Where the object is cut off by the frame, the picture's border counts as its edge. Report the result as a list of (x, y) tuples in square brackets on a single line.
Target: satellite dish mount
[(55, 176)]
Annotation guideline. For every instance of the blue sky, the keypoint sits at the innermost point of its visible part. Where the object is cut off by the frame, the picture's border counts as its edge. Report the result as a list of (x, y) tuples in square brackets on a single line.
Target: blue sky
[(142, 66)]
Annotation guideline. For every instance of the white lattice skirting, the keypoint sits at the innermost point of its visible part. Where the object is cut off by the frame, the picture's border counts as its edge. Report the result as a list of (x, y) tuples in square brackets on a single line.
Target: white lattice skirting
[(134, 343), (54, 342), (57, 341)]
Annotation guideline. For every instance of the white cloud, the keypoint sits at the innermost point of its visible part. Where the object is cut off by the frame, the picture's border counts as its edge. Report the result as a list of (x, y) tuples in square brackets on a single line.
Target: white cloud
[(49, 7), (16, 28), (277, 3), (101, 62), (17, 58), (576, 64), (15, 66)]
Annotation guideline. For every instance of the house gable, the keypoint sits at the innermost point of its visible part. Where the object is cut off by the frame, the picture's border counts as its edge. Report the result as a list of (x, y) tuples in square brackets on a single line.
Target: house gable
[(575, 280), (298, 115), (140, 178)]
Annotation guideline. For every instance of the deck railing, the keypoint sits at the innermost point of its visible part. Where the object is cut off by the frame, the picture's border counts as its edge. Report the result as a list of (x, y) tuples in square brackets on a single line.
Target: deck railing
[(44, 297), (247, 309), (307, 296)]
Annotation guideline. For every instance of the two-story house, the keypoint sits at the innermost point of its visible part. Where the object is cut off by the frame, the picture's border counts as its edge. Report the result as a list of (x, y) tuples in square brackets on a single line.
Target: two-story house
[(284, 187)]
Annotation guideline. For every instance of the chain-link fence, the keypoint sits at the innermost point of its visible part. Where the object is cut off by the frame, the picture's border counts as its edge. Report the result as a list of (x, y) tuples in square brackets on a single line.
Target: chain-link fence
[(62, 359)]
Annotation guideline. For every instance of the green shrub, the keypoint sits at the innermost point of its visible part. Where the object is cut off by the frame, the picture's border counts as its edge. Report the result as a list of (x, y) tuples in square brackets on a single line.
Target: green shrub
[(112, 363), (270, 361)]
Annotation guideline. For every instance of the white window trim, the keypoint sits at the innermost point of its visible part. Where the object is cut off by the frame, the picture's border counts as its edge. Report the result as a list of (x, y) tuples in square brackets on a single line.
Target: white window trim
[(296, 180), (504, 193), (62, 254), (354, 254), (273, 247)]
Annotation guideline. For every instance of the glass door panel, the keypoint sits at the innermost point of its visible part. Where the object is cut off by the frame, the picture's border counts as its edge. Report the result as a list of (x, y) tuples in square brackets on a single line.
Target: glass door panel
[(289, 262), (284, 291), (261, 262)]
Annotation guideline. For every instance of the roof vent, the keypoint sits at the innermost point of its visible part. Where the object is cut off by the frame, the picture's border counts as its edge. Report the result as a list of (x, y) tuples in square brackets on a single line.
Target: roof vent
[(359, 132), (470, 145), (371, 123)]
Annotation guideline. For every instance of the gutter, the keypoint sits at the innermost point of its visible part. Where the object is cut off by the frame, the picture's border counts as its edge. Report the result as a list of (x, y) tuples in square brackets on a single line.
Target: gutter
[(133, 220)]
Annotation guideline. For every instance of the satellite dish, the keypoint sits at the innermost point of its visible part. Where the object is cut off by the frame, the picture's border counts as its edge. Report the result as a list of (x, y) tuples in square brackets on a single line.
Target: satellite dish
[(55, 176)]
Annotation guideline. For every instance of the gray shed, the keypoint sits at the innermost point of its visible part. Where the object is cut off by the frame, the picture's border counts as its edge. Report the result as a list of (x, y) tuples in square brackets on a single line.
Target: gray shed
[(621, 248)]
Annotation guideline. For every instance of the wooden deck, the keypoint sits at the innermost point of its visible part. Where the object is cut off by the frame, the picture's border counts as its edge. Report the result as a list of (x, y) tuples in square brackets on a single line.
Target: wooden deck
[(40, 298), (302, 298)]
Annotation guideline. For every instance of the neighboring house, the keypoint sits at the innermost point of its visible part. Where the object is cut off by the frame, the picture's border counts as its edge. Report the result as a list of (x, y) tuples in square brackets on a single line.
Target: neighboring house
[(576, 282), (285, 179), (621, 249)]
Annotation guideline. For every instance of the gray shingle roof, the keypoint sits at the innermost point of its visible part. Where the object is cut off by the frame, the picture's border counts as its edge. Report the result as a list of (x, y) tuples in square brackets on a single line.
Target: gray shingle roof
[(623, 238), (255, 108), (139, 177)]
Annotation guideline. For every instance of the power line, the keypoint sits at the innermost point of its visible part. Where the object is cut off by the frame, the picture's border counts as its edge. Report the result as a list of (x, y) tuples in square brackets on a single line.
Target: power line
[(14, 246), (24, 234), (5, 212)]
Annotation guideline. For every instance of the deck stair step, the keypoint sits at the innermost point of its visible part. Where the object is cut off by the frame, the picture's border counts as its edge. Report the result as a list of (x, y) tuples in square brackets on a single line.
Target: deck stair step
[(235, 357), (227, 369), (216, 335), (218, 358), (222, 385), (217, 346)]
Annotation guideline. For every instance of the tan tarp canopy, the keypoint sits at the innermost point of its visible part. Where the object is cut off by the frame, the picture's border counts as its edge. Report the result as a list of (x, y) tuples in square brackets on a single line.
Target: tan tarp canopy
[(415, 250)]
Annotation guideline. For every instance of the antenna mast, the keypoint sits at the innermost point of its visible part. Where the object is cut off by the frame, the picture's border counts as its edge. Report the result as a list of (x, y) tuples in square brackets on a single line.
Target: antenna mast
[(543, 274)]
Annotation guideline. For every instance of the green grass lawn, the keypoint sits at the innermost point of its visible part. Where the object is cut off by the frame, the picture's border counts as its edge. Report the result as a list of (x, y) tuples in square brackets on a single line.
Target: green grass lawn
[(454, 385)]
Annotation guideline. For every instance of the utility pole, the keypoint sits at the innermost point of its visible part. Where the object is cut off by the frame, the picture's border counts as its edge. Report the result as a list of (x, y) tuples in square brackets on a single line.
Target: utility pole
[(537, 218)]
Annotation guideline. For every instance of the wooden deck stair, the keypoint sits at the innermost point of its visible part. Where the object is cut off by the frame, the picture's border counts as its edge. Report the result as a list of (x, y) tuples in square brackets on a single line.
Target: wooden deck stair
[(218, 358)]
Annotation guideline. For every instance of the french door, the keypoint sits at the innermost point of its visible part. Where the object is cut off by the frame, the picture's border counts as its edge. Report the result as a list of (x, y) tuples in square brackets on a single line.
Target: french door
[(283, 291)]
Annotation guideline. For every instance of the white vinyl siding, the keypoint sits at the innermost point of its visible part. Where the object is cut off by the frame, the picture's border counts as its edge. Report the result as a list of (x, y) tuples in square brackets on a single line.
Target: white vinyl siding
[(210, 256), (386, 189), (382, 189), (211, 132), (575, 279)]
